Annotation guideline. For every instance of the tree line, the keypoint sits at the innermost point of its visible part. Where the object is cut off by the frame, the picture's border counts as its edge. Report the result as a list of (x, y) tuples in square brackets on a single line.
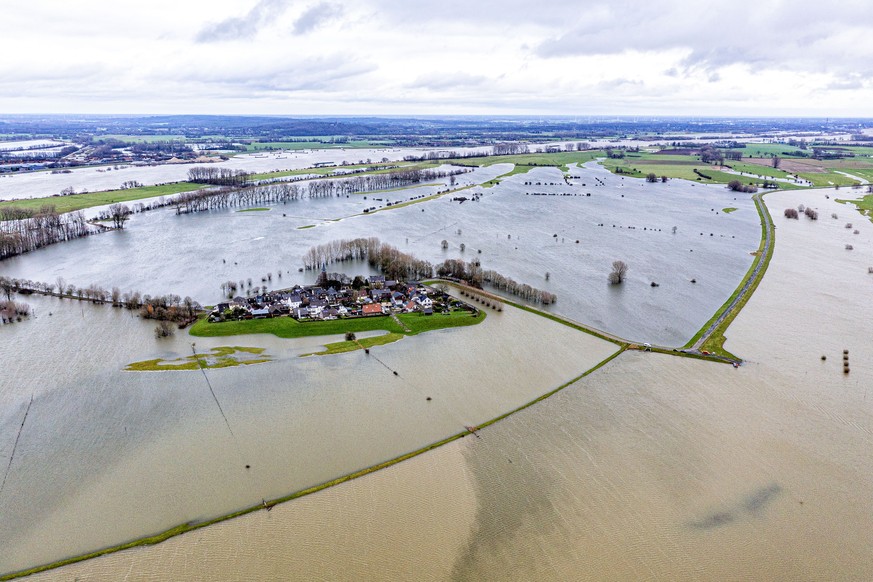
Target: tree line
[(200, 200), (20, 233), (392, 262), (218, 176), (168, 307), (384, 181)]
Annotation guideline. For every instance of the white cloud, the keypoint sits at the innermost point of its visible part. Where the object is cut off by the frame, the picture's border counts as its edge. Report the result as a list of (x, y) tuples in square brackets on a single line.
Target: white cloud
[(762, 57)]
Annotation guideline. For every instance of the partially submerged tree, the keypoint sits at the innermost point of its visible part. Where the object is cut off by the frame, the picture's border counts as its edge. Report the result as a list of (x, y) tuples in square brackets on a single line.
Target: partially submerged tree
[(619, 272), (119, 213)]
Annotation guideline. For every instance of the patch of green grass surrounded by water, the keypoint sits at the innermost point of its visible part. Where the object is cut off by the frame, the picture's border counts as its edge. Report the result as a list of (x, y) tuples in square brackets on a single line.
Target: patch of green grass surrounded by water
[(220, 357), (287, 327)]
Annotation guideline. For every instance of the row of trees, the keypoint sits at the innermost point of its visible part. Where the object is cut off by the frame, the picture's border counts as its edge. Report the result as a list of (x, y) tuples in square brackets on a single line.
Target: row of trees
[(392, 262), (200, 200), (218, 176), (504, 149), (475, 276), (387, 180), (46, 227), (522, 290), (169, 307)]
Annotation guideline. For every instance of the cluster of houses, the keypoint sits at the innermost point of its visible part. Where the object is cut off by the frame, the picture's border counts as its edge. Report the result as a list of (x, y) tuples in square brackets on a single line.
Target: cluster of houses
[(312, 303)]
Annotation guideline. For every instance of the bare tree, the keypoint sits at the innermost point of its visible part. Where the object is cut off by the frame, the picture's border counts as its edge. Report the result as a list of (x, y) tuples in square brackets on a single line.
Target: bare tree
[(119, 213), (619, 272)]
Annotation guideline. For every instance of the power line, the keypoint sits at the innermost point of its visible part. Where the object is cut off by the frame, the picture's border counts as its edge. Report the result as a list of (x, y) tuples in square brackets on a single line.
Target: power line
[(15, 446)]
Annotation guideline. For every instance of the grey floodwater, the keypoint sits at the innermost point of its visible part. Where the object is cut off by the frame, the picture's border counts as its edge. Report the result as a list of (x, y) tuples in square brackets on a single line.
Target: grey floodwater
[(519, 234)]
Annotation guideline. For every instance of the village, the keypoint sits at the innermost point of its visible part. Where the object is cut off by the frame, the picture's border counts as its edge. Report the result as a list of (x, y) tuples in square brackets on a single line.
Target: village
[(338, 297)]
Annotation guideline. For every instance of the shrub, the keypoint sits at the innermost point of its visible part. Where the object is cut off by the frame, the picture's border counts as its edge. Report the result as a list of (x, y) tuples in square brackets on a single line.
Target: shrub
[(791, 213)]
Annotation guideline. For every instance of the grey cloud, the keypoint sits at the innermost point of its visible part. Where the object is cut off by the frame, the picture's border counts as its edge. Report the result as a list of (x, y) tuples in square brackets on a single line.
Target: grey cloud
[(619, 83), (439, 81), (323, 73), (243, 27), (799, 35), (315, 16)]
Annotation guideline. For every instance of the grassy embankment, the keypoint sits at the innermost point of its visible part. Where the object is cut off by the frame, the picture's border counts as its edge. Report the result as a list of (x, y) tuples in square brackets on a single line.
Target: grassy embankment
[(221, 357), (259, 209), (287, 327), (715, 343), (91, 199)]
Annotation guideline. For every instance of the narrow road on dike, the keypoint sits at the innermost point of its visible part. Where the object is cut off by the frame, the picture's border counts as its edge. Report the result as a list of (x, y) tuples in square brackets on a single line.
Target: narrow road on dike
[(768, 240)]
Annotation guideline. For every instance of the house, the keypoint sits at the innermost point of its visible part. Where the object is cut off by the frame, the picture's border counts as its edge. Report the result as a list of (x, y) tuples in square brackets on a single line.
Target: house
[(294, 301), (261, 313), (316, 306), (425, 301), (371, 309)]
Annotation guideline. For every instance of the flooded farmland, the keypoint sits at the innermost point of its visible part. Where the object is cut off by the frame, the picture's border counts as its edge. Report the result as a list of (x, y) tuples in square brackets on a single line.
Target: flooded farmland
[(108, 455), (528, 225), (652, 467)]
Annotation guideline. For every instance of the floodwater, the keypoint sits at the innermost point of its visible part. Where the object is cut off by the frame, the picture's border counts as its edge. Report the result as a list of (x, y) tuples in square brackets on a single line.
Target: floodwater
[(519, 235), (107, 455), (653, 467), (39, 184)]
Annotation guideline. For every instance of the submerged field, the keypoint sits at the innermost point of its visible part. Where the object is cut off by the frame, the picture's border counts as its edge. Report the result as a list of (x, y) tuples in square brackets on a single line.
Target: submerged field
[(651, 467), (570, 225), (650, 464)]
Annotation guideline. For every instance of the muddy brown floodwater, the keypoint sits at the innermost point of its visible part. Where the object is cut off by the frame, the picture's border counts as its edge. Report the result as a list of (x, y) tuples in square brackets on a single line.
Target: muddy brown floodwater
[(653, 467)]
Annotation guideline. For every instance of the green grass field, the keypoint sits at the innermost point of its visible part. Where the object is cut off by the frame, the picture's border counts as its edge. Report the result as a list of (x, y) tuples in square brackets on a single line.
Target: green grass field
[(757, 169), (287, 327), (80, 201), (328, 170), (221, 357), (828, 179), (350, 346), (560, 159), (864, 205)]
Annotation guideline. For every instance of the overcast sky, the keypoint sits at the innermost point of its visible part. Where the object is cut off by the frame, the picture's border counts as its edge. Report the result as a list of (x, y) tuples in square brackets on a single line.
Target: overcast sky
[(581, 57)]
